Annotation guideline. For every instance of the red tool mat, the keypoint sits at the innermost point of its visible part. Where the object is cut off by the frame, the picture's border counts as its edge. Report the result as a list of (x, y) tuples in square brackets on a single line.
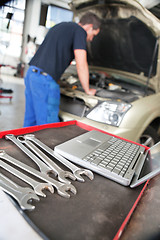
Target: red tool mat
[(99, 210)]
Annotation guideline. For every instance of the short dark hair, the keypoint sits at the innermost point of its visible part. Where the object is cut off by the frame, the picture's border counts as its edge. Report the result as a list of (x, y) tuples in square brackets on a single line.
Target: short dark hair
[(91, 18)]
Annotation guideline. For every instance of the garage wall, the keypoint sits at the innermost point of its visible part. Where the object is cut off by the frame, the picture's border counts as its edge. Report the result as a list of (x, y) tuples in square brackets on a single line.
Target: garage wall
[(32, 27), (32, 20)]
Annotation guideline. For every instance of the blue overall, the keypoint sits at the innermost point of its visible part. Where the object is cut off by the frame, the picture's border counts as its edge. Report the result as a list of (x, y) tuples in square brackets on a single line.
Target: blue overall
[(42, 98)]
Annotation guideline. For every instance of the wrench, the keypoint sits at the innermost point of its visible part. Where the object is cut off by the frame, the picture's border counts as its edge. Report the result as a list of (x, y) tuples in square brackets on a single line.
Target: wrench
[(37, 186), (42, 166), (76, 170), (60, 172), (61, 187), (21, 194)]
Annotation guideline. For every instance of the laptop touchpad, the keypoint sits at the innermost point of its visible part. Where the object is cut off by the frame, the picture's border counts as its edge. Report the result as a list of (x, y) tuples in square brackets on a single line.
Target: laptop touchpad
[(91, 142)]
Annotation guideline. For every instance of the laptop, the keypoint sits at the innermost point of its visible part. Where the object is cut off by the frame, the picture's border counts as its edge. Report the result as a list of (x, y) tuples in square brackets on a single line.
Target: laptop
[(124, 162)]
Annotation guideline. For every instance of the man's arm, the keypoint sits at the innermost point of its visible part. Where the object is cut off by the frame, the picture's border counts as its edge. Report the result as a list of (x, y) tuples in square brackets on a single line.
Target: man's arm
[(82, 70)]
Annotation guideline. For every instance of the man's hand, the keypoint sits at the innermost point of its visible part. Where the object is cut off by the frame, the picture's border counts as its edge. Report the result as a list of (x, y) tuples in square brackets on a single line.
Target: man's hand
[(91, 91)]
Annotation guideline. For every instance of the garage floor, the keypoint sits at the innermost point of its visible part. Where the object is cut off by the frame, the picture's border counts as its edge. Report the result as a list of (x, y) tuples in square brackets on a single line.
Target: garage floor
[(12, 112)]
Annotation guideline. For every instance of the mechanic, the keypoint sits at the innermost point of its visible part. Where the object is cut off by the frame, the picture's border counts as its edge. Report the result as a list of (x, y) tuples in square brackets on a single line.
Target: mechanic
[(63, 43)]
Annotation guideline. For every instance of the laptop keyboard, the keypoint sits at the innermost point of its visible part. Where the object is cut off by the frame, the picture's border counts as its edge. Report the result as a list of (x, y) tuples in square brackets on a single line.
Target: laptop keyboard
[(115, 156)]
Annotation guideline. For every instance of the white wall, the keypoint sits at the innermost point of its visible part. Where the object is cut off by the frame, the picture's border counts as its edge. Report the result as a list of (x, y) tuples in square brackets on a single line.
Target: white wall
[(149, 3), (31, 24)]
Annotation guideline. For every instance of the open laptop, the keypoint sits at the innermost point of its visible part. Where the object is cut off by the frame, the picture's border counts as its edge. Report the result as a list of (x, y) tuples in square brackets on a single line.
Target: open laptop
[(119, 160)]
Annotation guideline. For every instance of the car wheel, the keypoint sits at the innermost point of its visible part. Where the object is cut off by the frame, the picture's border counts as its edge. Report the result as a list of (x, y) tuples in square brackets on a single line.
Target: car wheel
[(149, 137)]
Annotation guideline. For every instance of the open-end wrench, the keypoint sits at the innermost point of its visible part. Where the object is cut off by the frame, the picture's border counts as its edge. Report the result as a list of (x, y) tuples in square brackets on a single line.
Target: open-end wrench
[(37, 186), (20, 194), (76, 170), (61, 174), (42, 166), (61, 187)]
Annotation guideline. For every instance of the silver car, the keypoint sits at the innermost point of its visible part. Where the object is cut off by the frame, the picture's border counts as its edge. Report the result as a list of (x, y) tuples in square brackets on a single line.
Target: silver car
[(124, 69)]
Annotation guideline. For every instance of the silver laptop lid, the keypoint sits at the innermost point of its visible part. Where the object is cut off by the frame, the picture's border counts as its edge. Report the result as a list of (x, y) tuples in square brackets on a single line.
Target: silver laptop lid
[(151, 166)]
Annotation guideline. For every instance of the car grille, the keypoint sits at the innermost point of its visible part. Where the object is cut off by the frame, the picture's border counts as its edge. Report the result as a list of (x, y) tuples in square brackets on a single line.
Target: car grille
[(74, 106)]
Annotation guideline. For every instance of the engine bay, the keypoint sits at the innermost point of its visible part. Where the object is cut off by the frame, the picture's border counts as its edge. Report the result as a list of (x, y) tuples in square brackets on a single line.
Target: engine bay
[(107, 87)]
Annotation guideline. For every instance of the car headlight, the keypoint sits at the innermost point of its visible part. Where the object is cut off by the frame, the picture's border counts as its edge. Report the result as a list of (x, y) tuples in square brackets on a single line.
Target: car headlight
[(111, 112)]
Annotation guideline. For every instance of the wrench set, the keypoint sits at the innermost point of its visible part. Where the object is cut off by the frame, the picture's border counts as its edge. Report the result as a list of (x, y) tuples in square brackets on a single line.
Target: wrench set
[(31, 146)]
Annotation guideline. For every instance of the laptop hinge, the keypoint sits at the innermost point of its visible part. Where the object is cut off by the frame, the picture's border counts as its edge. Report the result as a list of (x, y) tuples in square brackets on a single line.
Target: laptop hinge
[(134, 169), (139, 166)]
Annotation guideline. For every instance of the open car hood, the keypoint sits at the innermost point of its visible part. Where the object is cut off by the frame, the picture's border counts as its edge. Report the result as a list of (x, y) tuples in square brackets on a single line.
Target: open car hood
[(128, 40)]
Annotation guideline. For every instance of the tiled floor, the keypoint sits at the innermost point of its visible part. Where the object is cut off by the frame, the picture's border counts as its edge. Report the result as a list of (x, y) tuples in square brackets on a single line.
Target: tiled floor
[(12, 112)]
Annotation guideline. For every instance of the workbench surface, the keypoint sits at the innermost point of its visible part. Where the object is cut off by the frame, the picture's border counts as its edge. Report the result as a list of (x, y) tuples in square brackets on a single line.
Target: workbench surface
[(100, 209)]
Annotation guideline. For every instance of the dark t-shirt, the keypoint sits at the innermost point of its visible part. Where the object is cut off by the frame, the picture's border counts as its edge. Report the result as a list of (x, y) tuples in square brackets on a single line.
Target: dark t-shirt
[(57, 50)]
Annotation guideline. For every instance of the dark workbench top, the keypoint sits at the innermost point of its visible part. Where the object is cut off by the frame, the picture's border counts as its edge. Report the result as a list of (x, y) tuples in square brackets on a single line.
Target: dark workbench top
[(145, 221)]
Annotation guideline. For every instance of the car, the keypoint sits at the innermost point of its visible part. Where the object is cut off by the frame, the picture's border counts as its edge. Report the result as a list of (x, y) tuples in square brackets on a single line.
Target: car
[(124, 69)]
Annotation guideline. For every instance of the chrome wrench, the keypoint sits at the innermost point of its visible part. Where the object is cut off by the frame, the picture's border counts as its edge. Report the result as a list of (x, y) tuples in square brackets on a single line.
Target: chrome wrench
[(37, 186), (61, 187), (61, 174), (42, 166), (76, 170), (20, 194)]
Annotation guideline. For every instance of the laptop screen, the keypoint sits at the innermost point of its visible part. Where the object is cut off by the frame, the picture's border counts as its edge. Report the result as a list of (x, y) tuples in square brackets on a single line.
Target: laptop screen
[(151, 165)]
